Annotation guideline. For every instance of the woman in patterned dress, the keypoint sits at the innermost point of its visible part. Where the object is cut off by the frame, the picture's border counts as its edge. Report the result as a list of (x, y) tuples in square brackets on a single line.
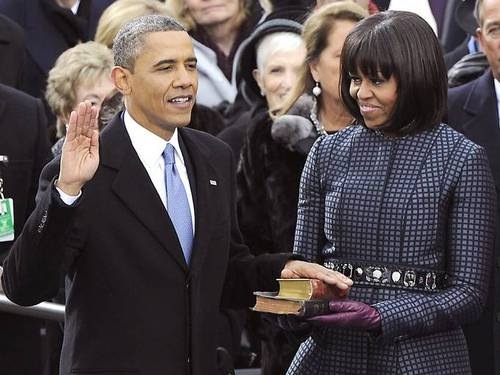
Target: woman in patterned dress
[(403, 205)]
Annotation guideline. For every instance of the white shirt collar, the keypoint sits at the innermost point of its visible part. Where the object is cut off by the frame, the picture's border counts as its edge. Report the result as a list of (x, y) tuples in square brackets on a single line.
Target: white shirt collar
[(497, 88), (497, 91), (149, 146), (75, 7)]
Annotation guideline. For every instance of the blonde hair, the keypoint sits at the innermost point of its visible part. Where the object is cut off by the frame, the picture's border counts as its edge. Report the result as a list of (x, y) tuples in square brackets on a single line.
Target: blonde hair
[(315, 34), (183, 15), (122, 11), (83, 64)]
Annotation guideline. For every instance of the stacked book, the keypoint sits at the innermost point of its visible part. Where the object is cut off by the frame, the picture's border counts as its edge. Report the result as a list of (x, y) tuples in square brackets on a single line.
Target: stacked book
[(301, 297)]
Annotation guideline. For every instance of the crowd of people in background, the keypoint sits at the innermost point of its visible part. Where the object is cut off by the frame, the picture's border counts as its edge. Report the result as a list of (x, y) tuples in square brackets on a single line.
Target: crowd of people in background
[(293, 88)]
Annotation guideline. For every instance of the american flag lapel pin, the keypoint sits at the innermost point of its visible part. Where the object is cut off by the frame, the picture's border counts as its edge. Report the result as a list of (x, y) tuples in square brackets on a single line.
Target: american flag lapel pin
[(213, 182)]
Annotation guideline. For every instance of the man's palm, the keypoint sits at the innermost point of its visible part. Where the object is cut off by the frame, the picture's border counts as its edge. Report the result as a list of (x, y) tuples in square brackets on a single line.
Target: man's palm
[(80, 152)]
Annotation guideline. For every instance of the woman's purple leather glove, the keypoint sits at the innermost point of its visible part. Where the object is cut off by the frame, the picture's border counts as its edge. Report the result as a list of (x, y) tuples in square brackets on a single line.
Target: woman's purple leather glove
[(350, 314)]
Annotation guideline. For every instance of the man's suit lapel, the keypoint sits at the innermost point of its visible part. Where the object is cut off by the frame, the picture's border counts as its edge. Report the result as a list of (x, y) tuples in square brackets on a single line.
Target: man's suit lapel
[(202, 177), (481, 103), (135, 189), (482, 126)]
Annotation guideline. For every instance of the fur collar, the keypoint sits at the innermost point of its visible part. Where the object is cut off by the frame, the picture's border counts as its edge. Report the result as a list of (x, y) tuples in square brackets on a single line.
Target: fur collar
[(294, 130)]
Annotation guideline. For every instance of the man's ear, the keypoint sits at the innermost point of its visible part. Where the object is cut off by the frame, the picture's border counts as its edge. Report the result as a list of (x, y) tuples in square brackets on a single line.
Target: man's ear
[(122, 79)]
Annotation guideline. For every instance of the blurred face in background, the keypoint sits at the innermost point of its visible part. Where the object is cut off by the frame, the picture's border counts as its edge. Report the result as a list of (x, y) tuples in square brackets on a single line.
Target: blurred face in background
[(279, 74), (326, 69), (488, 34), (95, 92), (208, 13)]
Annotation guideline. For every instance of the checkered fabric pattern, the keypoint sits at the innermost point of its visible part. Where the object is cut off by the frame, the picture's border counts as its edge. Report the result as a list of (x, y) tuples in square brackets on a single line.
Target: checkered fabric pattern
[(423, 201)]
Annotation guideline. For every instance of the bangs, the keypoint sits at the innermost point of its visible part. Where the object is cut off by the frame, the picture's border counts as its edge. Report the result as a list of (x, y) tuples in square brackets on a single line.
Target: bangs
[(369, 55), (402, 45)]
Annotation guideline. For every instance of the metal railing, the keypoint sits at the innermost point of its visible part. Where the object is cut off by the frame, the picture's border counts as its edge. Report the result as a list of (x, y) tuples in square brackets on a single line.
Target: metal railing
[(44, 310)]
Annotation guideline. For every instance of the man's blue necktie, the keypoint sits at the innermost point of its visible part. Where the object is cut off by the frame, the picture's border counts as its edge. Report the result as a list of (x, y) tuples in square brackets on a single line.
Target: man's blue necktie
[(177, 203)]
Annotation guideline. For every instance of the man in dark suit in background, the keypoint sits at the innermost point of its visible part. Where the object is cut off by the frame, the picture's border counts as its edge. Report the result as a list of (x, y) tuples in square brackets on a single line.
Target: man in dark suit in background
[(143, 222), (24, 150), (11, 52), (51, 27), (473, 110)]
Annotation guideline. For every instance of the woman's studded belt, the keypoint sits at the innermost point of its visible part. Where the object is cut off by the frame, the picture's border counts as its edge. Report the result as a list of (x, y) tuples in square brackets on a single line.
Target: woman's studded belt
[(389, 275)]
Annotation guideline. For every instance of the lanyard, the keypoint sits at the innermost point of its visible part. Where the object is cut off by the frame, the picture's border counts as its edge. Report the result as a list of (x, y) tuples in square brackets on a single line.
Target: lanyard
[(4, 159)]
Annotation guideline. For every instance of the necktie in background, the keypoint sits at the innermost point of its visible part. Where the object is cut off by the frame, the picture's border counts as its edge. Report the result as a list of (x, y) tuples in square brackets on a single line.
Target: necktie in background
[(177, 203)]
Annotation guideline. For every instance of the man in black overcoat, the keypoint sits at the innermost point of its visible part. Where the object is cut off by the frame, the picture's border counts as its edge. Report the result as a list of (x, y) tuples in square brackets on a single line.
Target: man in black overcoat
[(24, 150), (473, 110), (51, 27), (11, 52)]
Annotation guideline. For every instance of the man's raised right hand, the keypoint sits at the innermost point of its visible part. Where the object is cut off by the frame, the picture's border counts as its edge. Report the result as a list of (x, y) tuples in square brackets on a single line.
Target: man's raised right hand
[(80, 152)]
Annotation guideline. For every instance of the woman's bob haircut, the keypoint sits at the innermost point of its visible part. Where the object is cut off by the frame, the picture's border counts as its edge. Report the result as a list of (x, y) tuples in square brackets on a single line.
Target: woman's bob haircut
[(403, 45)]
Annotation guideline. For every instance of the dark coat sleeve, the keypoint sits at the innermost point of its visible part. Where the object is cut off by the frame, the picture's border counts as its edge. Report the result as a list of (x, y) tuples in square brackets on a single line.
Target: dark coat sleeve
[(33, 267), (466, 293)]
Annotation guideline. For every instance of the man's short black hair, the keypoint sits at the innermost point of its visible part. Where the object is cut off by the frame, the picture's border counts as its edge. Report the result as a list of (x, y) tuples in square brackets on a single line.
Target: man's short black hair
[(402, 45)]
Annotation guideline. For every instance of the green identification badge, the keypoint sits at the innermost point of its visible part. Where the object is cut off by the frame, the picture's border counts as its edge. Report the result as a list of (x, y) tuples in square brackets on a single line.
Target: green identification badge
[(6, 220)]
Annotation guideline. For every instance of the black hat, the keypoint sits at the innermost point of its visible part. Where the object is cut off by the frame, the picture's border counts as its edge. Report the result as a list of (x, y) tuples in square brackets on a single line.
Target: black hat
[(246, 57), (464, 16), (293, 3), (292, 12)]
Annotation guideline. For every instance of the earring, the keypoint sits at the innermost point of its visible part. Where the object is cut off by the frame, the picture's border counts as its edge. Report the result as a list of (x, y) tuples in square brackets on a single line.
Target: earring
[(262, 93), (316, 90)]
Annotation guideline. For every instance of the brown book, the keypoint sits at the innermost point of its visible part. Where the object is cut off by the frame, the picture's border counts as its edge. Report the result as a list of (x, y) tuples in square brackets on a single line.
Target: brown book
[(302, 297), (271, 302), (305, 289)]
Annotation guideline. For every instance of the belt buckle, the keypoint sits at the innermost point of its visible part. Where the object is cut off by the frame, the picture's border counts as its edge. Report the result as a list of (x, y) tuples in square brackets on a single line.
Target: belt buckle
[(430, 281), (410, 278)]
